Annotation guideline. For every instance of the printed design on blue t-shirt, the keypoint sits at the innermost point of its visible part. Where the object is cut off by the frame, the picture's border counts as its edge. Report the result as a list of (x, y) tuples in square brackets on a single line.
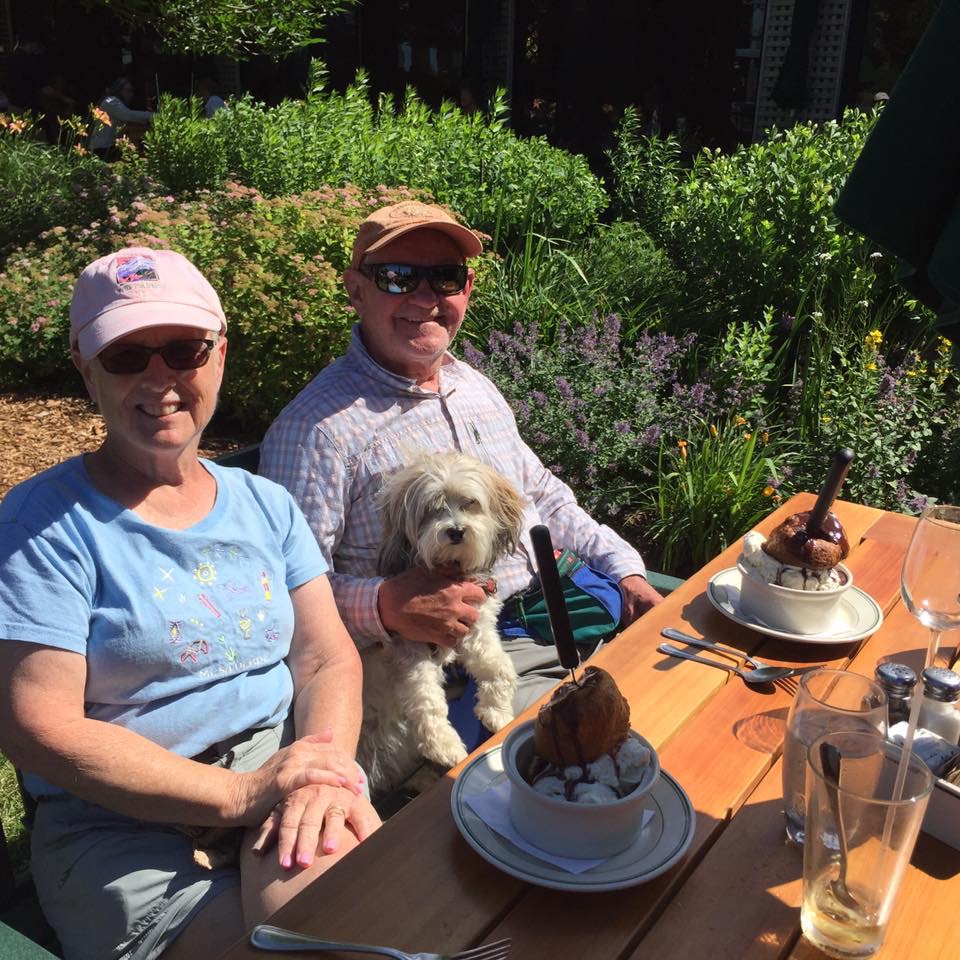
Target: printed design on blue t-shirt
[(217, 604)]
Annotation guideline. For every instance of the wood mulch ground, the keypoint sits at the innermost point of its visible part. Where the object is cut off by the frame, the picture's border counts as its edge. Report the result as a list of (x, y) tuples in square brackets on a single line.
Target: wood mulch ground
[(39, 430)]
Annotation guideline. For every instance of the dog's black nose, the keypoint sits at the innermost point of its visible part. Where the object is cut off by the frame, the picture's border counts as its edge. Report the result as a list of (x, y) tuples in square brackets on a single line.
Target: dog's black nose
[(455, 534)]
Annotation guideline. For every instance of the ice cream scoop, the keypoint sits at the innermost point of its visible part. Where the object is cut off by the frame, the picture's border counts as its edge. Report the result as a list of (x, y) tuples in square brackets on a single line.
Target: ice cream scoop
[(815, 539), (798, 544)]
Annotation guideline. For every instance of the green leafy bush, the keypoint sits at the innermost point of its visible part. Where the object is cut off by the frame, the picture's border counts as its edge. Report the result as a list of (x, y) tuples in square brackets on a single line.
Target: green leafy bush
[(895, 402), (501, 184), (44, 186), (276, 264), (755, 227), (712, 486)]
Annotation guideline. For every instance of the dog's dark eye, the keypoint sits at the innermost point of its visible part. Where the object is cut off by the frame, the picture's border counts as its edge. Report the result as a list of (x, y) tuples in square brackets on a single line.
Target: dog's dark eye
[(471, 505)]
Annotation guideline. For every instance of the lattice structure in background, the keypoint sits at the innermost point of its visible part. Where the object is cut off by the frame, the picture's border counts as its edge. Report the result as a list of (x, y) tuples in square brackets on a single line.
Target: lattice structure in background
[(825, 70)]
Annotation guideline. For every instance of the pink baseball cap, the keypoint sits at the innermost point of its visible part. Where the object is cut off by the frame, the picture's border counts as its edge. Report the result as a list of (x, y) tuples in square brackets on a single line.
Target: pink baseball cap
[(137, 288)]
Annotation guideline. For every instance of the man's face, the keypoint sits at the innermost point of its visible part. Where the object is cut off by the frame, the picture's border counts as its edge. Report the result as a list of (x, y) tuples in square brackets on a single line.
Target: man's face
[(408, 334)]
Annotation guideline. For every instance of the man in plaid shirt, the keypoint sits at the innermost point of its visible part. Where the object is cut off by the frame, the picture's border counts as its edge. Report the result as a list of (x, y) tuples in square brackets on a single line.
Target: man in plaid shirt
[(398, 389)]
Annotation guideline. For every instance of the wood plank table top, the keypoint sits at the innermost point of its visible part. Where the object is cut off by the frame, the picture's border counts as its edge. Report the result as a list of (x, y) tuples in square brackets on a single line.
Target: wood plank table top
[(417, 885)]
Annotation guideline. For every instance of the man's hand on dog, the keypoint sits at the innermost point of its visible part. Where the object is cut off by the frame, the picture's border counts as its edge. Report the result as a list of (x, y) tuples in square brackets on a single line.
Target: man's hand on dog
[(433, 607)]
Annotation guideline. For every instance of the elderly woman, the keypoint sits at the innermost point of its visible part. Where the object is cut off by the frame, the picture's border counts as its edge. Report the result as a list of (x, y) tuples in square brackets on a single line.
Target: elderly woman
[(172, 658)]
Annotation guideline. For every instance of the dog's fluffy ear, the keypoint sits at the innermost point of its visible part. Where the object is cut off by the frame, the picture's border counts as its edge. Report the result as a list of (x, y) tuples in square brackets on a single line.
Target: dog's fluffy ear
[(395, 550), (508, 508)]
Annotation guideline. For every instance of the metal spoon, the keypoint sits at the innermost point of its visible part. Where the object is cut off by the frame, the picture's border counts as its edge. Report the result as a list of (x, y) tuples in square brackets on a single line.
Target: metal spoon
[(830, 762), (753, 677)]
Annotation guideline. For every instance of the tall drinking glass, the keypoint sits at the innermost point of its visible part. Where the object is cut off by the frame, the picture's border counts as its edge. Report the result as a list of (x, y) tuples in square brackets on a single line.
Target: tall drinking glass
[(826, 700), (930, 579), (859, 839)]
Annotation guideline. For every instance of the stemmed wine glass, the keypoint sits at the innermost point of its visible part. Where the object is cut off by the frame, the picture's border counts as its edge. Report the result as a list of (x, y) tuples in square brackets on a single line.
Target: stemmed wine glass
[(930, 579)]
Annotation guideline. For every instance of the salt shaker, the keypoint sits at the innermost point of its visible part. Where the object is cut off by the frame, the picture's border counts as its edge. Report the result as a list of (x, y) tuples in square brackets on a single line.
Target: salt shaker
[(938, 709), (898, 681)]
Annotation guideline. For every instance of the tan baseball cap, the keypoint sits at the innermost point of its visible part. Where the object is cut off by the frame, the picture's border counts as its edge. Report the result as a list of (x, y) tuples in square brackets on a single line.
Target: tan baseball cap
[(388, 223)]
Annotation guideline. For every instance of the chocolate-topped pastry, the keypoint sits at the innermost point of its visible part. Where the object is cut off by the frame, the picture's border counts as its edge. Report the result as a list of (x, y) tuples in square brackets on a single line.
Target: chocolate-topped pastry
[(582, 721), (794, 544)]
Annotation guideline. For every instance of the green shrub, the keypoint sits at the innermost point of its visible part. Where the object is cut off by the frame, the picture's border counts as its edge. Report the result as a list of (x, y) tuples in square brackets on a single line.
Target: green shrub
[(755, 227), (501, 184), (276, 264), (44, 186), (712, 485), (893, 400)]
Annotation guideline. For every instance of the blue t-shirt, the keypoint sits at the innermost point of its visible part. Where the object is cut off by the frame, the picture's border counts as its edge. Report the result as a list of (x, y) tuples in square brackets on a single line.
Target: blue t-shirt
[(184, 631)]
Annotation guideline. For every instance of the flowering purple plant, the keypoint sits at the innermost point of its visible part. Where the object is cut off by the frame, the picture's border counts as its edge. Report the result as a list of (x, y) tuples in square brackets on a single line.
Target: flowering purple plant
[(593, 407)]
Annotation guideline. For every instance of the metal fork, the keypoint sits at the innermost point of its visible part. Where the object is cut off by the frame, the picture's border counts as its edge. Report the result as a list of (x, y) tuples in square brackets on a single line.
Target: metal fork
[(267, 937)]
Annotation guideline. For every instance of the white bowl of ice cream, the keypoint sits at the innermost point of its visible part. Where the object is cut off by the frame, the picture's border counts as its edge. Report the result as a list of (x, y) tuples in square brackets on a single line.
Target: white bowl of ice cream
[(790, 598), (587, 811)]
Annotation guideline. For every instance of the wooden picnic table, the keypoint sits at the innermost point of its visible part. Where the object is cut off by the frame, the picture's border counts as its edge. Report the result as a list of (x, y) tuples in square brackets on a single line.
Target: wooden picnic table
[(416, 884)]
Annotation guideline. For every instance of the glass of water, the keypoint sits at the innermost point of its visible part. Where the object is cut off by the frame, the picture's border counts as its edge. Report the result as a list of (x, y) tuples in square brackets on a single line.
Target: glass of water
[(827, 700), (860, 836)]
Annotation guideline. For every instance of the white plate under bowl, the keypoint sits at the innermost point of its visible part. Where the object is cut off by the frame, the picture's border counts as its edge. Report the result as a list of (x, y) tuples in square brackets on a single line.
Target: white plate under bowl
[(661, 843), (858, 614)]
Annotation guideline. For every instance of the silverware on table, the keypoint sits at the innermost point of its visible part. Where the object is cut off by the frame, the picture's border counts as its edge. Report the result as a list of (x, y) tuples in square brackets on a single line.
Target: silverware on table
[(754, 677), (672, 633), (267, 937)]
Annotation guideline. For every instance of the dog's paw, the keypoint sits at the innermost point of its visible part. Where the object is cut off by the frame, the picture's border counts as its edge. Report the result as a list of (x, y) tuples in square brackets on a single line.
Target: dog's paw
[(493, 718), (445, 748)]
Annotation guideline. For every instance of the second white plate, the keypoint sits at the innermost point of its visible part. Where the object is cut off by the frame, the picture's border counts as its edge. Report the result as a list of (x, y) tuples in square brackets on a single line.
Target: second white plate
[(858, 614), (660, 844)]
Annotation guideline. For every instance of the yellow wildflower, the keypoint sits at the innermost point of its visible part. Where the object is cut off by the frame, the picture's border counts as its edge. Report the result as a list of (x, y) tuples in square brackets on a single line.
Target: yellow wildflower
[(874, 338), (748, 436), (944, 345), (713, 430), (766, 437), (741, 421), (768, 491), (79, 150), (17, 126), (682, 444), (826, 419), (871, 366)]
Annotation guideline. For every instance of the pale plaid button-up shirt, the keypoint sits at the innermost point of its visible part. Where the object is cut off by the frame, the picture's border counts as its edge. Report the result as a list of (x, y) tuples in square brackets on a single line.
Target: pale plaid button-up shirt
[(356, 422)]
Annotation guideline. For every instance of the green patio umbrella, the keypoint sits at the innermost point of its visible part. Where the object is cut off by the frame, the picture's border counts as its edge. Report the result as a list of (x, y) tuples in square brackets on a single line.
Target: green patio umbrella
[(904, 190)]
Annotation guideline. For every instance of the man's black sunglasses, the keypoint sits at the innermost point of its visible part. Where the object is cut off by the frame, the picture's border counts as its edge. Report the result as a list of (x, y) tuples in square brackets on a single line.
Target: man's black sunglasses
[(445, 280), (125, 358)]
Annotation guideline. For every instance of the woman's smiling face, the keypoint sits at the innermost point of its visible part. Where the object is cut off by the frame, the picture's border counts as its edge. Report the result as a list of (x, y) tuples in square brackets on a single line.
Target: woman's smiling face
[(158, 410)]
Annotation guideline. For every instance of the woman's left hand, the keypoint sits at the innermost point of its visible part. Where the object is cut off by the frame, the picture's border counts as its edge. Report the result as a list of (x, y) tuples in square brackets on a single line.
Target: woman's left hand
[(311, 820)]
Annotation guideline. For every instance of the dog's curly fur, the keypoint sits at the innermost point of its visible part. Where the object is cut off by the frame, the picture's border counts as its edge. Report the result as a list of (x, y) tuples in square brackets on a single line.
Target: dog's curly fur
[(441, 510)]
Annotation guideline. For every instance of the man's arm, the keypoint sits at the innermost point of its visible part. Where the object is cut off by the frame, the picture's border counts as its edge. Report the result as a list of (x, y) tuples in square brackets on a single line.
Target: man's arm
[(572, 527)]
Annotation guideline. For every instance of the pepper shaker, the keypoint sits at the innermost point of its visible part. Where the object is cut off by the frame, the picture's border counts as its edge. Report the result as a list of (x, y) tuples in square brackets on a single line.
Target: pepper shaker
[(898, 681)]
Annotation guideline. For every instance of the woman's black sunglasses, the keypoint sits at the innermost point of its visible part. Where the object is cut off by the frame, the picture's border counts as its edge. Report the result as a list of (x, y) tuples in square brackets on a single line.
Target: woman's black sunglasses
[(400, 278), (177, 355)]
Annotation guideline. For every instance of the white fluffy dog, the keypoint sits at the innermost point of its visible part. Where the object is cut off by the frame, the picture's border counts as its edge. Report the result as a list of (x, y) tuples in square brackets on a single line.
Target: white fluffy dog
[(441, 510)]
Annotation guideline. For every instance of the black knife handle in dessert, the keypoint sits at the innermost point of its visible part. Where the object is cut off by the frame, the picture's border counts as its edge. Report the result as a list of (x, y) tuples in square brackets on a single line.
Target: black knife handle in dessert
[(553, 595), (828, 492)]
